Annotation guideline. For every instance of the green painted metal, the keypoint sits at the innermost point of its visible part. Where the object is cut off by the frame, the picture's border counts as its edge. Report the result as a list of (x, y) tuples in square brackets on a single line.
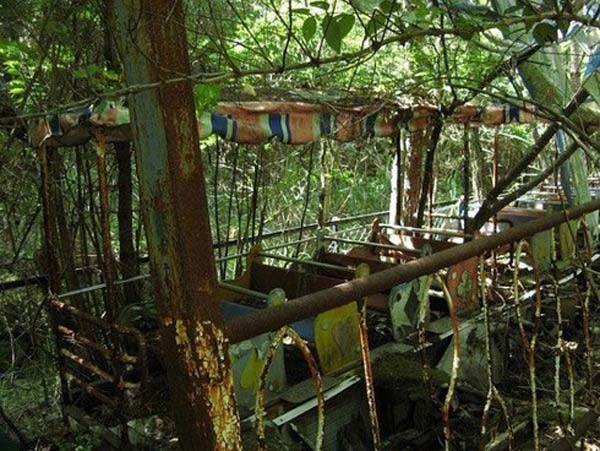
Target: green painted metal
[(404, 302), (248, 358), (542, 246)]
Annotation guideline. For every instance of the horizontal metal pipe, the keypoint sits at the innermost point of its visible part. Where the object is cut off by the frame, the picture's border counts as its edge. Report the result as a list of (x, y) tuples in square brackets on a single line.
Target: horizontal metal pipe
[(42, 279), (100, 286), (352, 229), (279, 246), (242, 290), (231, 257), (432, 231), (290, 230), (290, 243), (394, 247), (273, 318), (306, 262)]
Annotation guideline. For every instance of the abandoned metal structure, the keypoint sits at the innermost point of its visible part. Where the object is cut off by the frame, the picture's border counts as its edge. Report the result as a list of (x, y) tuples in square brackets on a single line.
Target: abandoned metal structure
[(229, 340)]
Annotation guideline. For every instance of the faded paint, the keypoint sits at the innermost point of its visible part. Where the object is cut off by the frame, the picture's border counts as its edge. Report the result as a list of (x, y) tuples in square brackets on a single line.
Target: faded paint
[(205, 359), (151, 38)]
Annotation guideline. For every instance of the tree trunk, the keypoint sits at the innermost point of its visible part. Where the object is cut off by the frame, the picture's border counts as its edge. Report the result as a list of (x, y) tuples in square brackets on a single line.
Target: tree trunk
[(127, 254), (397, 182), (151, 38), (418, 141), (65, 237)]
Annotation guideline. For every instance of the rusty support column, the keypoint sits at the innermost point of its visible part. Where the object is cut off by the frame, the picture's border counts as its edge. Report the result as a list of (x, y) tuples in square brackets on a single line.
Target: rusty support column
[(272, 318), (151, 38), (109, 274)]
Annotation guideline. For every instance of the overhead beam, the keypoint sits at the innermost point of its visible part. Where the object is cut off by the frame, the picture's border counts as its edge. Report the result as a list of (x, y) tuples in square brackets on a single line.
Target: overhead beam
[(273, 318)]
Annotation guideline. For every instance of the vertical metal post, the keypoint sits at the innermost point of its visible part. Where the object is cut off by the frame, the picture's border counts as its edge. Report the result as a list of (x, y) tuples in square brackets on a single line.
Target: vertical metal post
[(151, 37), (108, 270)]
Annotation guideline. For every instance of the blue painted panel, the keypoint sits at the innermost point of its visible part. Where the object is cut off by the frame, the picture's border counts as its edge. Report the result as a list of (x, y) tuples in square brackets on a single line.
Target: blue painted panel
[(305, 328)]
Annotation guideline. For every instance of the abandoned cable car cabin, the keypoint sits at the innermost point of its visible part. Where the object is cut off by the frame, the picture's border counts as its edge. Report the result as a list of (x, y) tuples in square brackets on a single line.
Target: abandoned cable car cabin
[(369, 330)]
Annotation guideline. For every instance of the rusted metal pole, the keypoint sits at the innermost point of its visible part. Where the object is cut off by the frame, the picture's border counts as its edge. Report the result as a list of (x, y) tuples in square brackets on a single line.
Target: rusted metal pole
[(151, 37), (272, 318), (108, 271)]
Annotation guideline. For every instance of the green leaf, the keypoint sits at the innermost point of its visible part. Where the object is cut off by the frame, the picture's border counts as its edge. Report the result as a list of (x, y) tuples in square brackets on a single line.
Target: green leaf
[(563, 26), (92, 69), (309, 28), (376, 22), (346, 22), (16, 90), (301, 11), (465, 27), (206, 96), (544, 32), (514, 10), (332, 33), (79, 73), (321, 5), (336, 29), (388, 6), (367, 6), (111, 75)]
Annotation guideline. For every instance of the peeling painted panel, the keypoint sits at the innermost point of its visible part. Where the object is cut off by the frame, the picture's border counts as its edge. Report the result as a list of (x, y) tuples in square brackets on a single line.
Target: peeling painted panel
[(542, 245)]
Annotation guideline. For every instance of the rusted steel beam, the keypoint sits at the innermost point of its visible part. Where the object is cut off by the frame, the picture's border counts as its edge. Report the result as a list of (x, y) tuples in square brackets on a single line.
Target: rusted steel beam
[(272, 318), (151, 38), (92, 391), (94, 369), (108, 271), (57, 305), (72, 337)]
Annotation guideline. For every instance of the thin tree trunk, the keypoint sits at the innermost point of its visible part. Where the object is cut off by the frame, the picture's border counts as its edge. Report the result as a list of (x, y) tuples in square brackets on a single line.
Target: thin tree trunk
[(127, 254), (427, 180), (67, 257), (418, 139)]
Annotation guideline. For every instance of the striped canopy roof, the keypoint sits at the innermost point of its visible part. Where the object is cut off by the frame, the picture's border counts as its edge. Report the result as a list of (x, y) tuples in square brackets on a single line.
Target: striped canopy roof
[(287, 122)]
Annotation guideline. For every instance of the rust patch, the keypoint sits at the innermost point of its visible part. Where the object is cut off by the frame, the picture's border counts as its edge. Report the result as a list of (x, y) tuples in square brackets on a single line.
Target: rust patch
[(187, 156), (206, 359)]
